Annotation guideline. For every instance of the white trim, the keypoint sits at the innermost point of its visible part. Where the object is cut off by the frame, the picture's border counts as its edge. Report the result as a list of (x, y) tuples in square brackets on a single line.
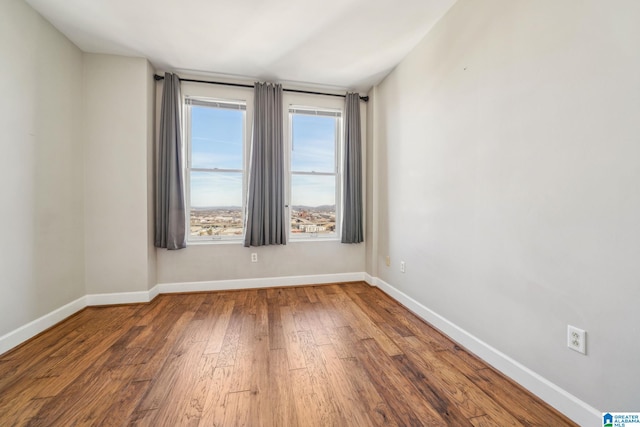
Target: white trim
[(269, 282), (119, 298), (154, 292), (563, 401), (369, 279), (186, 109), (31, 329)]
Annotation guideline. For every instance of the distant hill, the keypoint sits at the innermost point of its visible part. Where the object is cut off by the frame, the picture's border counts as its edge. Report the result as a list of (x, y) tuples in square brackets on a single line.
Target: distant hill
[(322, 208)]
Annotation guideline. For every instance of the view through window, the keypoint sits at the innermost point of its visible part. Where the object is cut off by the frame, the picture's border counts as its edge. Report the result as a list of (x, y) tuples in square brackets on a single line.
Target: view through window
[(215, 168), (216, 181), (314, 172)]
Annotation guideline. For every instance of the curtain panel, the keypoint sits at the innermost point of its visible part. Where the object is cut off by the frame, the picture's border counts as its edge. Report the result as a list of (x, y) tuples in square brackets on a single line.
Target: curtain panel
[(352, 181), (170, 212), (265, 219)]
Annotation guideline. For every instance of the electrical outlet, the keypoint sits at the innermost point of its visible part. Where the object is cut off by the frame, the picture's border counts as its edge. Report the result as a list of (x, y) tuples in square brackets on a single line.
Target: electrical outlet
[(254, 257), (402, 266), (388, 260), (576, 339)]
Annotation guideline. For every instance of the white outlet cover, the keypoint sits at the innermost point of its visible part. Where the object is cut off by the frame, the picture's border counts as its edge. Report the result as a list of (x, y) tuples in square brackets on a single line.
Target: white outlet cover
[(577, 339)]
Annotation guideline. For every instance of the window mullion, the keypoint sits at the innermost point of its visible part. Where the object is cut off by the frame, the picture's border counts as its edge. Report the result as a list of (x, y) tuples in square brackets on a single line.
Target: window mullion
[(215, 170), (313, 173)]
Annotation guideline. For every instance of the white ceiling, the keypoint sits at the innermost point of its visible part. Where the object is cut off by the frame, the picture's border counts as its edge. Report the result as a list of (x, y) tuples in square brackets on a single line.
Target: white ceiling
[(349, 44)]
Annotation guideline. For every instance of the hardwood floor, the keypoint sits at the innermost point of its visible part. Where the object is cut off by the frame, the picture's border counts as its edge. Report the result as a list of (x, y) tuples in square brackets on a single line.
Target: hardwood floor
[(333, 355)]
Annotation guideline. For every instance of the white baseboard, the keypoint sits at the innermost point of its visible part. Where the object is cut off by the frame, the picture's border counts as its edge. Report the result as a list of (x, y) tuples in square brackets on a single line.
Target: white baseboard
[(119, 298), (269, 282), (574, 408), (154, 292), (31, 329), (369, 279)]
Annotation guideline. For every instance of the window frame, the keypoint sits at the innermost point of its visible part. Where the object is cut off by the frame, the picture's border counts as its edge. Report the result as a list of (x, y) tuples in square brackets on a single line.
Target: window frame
[(338, 113), (213, 99), (246, 96)]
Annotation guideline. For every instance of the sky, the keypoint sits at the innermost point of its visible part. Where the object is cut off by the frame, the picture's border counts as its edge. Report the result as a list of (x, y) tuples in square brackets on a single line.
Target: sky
[(216, 130), (216, 136)]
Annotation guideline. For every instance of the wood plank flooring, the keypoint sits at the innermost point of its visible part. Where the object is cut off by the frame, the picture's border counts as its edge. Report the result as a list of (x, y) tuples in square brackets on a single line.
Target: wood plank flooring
[(331, 355)]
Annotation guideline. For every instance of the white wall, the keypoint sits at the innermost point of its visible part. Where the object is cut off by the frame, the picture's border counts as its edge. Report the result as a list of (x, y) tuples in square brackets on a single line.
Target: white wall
[(232, 261), (229, 261), (41, 256), (371, 198), (151, 114), (117, 130), (508, 164)]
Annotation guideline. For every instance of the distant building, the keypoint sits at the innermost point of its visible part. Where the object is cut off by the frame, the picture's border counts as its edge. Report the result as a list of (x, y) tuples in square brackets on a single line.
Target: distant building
[(312, 228)]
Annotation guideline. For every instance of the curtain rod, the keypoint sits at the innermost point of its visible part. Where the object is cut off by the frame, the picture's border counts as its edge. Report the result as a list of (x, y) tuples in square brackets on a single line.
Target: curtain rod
[(157, 77)]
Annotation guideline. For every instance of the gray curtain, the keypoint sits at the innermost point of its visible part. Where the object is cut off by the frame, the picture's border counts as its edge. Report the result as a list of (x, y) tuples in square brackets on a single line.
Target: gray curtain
[(265, 220), (170, 203), (352, 189)]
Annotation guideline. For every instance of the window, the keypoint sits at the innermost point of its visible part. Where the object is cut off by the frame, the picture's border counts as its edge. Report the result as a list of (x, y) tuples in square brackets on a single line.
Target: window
[(314, 173), (217, 156), (215, 135)]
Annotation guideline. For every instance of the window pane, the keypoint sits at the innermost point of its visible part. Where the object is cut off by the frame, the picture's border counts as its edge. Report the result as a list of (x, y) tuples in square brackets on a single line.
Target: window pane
[(313, 207), (314, 143), (216, 204), (216, 138)]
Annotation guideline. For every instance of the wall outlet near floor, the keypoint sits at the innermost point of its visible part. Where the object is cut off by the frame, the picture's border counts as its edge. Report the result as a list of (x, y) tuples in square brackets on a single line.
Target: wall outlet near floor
[(402, 266), (388, 261), (254, 257), (576, 339)]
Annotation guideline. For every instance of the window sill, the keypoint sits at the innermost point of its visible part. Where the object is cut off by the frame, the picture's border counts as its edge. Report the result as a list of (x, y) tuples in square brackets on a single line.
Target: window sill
[(241, 242)]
